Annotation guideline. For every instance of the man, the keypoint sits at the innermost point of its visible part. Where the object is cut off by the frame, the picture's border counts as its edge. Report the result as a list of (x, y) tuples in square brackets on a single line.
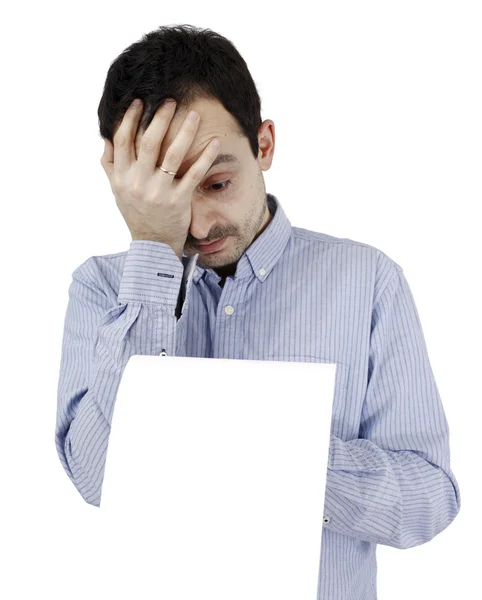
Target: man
[(266, 291)]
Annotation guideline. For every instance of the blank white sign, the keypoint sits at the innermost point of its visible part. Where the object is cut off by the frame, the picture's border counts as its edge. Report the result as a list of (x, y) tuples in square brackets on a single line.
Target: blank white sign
[(215, 479)]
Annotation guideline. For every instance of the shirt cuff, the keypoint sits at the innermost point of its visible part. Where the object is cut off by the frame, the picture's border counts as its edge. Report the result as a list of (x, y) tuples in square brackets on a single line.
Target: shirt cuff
[(152, 273)]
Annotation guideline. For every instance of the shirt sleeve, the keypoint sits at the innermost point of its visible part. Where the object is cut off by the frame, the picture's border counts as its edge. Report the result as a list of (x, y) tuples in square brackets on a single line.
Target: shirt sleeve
[(394, 485), (102, 330)]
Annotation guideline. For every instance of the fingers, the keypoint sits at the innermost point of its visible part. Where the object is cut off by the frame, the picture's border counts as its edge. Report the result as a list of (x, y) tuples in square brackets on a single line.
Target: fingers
[(176, 152), (118, 157), (107, 159), (196, 172), (124, 151), (151, 141)]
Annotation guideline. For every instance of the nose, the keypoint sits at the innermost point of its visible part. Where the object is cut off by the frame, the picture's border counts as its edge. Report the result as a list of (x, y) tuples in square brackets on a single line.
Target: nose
[(201, 226)]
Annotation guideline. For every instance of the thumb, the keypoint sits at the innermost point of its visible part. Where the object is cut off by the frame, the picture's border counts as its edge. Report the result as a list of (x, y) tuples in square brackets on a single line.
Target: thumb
[(107, 159)]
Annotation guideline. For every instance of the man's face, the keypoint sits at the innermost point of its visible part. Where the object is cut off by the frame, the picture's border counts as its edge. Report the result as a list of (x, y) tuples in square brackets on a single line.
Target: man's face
[(230, 200)]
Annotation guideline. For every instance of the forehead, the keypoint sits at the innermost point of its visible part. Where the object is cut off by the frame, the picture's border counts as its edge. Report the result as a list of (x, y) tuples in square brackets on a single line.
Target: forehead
[(211, 111), (226, 158), (215, 122)]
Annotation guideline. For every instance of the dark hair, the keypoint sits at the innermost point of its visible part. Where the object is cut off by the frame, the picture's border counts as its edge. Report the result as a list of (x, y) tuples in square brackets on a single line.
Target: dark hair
[(185, 63)]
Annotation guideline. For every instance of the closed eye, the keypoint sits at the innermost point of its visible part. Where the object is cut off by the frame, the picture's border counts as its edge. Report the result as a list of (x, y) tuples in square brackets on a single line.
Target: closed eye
[(227, 184)]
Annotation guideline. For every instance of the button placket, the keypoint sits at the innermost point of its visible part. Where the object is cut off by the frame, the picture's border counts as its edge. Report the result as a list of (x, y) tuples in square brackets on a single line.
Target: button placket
[(226, 329)]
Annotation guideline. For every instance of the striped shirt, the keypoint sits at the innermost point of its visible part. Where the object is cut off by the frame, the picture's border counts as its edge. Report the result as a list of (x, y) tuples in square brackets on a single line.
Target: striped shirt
[(297, 295)]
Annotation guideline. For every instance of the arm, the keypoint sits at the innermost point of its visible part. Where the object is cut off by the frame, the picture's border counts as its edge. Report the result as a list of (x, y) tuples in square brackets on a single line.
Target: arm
[(101, 332), (393, 485)]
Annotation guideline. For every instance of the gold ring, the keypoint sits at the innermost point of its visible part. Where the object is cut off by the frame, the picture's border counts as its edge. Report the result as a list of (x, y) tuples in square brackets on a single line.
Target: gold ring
[(166, 171)]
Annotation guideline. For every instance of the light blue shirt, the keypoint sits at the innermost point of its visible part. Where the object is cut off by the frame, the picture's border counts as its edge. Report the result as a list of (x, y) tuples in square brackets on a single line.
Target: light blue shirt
[(297, 295)]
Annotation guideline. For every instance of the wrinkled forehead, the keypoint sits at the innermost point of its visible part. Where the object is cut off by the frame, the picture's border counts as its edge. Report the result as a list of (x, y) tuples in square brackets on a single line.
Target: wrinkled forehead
[(214, 120), (212, 123)]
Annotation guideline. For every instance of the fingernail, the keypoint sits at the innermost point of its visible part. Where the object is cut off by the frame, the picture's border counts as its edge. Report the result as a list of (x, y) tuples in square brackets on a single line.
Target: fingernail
[(137, 102)]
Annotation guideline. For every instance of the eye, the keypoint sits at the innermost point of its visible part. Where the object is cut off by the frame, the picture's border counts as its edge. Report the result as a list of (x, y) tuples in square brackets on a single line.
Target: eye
[(227, 184)]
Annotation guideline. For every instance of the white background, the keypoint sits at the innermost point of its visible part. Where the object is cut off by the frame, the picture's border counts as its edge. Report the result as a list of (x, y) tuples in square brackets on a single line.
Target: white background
[(378, 130)]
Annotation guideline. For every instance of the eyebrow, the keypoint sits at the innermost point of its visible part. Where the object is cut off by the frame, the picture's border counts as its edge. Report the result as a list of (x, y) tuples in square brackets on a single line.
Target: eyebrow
[(220, 158), (224, 158)]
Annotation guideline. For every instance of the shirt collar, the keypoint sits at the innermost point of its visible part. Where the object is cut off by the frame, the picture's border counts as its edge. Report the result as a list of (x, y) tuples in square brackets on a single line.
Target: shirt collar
[(261, 256)]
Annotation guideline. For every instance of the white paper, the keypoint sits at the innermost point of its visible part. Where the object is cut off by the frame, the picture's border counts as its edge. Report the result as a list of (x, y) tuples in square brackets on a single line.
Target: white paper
[(215, 479)]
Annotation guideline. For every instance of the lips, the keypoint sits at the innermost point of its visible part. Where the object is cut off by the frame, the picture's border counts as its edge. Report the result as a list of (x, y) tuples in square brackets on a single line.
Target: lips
[(209, 243), (210, 246)]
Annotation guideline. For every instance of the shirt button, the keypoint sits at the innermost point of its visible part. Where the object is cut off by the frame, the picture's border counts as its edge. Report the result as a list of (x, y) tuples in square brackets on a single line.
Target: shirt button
[(228, 310), (261, 271), (326, 519), (196, 272)]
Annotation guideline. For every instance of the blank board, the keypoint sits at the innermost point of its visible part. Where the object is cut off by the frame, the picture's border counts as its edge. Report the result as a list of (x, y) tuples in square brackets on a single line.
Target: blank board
[(215, 479)]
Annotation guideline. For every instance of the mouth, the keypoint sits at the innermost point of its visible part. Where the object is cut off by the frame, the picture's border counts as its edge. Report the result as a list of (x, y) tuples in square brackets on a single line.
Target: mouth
[(210, 246)]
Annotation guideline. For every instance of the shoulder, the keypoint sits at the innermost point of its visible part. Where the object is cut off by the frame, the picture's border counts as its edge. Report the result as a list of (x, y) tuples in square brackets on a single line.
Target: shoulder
[(373, 258)]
